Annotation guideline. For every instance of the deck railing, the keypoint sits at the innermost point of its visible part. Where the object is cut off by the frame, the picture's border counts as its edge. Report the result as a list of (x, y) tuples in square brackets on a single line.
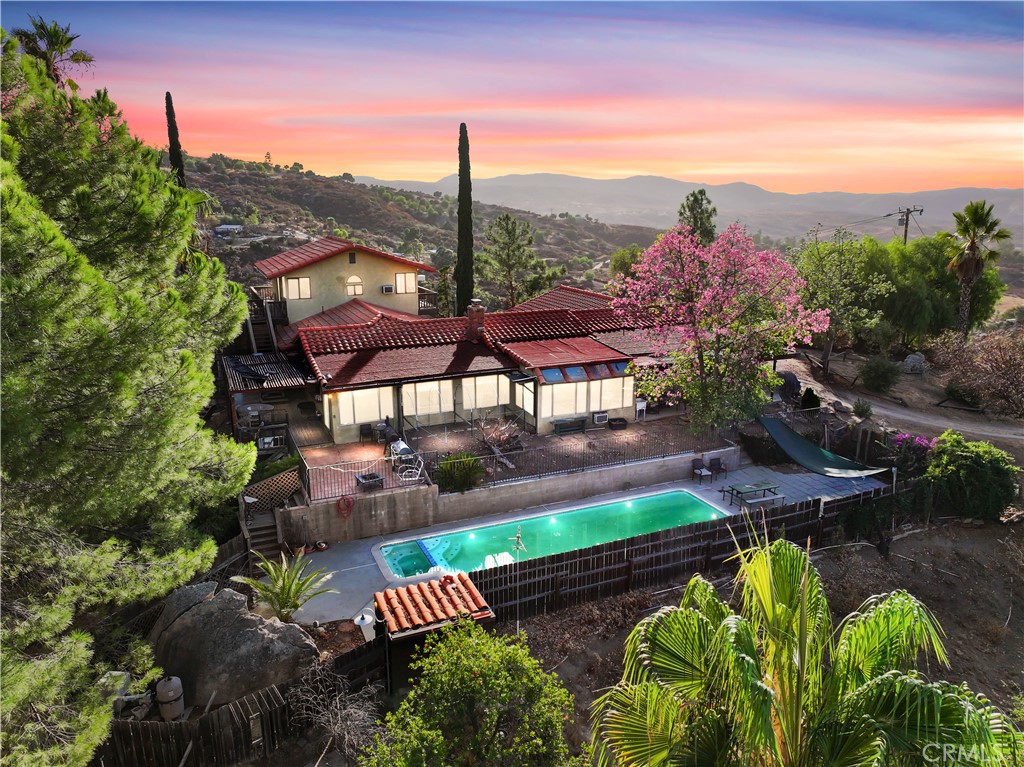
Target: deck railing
[(428, 302)]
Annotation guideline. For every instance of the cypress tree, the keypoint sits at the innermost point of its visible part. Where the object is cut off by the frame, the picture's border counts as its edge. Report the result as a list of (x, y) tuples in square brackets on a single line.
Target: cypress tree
[(464, 255), (177, 161)]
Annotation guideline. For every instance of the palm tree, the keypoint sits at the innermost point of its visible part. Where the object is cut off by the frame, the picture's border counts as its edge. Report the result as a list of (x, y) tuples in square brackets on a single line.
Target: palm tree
[(975, 228), (51, 44), (773, 686), (287, 587)]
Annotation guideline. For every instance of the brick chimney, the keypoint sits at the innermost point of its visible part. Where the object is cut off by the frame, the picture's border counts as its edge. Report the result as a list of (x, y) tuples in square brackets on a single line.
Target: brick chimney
[(475, 325)]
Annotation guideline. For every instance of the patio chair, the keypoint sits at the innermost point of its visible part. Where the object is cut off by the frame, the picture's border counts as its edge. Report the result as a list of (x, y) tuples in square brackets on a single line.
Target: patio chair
[(700, 470), (717, 467)]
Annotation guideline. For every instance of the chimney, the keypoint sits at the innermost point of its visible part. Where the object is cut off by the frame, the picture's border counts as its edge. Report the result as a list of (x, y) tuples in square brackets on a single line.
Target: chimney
[(475, 316)]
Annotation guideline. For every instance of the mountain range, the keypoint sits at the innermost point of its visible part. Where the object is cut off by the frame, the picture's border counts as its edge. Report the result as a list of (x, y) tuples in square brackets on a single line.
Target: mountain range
[(653, 201)]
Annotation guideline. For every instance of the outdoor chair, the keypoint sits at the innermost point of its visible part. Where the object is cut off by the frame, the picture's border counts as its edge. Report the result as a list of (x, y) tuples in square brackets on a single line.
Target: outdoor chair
[(717, 467), (365, 432), (700, 470)]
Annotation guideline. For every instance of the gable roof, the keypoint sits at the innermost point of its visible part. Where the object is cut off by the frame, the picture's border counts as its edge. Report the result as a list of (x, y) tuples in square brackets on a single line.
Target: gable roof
[(386, 366), (426, 605), (355, 311), (564, 297), (383, 333), (532, 325), (320, 250)]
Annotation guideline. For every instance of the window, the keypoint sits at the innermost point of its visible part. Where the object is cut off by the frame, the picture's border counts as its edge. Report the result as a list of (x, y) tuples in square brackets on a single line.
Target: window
[(405, 282), (599, 371), (296, 287), (352, 257), (552, 375), (619, 368), (354, 287), (575, 373)]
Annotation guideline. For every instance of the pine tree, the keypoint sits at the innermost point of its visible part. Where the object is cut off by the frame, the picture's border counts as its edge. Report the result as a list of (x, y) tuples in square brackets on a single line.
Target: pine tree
[(464, 258), (511, 263), (108, 352), (177, 161)]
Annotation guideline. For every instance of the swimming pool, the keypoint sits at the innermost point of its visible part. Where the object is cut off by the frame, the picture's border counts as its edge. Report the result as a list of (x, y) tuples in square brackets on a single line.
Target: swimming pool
[(493, 545)]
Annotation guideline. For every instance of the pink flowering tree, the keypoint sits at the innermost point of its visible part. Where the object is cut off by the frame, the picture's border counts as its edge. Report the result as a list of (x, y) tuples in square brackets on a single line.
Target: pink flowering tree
[(714, 314)]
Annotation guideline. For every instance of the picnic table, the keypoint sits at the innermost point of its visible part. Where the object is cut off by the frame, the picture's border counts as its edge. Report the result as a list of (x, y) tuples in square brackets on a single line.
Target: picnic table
[(765, 487)]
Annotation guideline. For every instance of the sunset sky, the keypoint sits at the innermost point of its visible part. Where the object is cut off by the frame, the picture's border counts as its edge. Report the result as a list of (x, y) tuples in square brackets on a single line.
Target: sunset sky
[(793, 97)]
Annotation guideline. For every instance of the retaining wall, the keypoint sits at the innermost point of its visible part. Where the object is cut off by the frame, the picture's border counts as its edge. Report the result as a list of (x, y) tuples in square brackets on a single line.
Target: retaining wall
[(393, 511)]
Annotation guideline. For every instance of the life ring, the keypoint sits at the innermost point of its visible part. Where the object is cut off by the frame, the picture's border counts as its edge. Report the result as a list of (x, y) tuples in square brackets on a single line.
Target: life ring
[(345, 504)]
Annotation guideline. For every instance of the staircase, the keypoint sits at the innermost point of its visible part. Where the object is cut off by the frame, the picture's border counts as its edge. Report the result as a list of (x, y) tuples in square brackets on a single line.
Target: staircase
[(264, 342), (263, 537)]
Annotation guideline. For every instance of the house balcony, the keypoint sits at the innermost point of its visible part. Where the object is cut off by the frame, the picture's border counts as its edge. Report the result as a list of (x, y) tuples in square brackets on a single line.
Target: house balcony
[(427, 302)]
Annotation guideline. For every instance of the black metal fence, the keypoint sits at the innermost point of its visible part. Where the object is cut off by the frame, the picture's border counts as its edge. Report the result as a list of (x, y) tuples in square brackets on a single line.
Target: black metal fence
[(563, 580)]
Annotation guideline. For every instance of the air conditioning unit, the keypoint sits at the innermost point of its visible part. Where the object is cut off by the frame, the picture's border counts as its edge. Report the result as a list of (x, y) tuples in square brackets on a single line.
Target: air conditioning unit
[(387, 288), (601, 417)]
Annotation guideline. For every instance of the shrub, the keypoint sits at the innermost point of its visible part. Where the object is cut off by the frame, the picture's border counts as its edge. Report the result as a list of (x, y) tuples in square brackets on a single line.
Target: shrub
[(809, 400), (879, 374), (909, 454), (971, 479), (345, 719), (862, 408), (477, 699), (458, 472), (288, 586), (879, 337), (963, 394)]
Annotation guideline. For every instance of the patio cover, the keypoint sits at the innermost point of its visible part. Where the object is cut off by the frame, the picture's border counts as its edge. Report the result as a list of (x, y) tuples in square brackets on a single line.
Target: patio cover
[(812, 457)]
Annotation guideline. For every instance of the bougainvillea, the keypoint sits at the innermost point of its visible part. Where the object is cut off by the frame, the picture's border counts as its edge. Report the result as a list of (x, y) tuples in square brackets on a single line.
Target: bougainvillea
[(714, 314), (910, 454)]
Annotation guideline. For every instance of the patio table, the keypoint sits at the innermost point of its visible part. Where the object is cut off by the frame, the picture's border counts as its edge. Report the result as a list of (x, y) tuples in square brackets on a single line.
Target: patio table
[(741, 491)]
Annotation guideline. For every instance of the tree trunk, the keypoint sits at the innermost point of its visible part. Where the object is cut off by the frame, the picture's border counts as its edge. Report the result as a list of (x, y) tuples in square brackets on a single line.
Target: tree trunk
[(965, 305), (826, 352)]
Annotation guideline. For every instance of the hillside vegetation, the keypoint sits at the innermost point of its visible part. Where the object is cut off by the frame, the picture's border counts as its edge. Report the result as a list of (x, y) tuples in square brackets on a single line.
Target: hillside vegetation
[(412, 223)]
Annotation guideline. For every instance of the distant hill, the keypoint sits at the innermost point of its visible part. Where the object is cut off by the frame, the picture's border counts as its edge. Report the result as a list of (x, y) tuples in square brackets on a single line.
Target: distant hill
[(654, 201), (275, 204)]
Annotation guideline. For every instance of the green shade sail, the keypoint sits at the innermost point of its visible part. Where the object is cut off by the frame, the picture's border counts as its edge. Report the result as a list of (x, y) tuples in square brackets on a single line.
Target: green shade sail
[(812, 457)]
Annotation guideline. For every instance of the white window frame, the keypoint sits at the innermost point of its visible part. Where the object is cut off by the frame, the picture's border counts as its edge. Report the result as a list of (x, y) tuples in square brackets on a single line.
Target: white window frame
[(405, 282), (354, 286), (297, 288)]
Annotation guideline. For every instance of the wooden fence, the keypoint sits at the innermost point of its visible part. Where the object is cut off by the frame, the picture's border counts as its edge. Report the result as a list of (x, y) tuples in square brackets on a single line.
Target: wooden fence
[(575, 577), (246, 729), (363, 665)]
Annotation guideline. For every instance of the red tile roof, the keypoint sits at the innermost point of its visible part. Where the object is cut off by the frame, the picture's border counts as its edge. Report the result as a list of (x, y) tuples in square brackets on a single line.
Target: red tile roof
[(381, 366), (320, 250), (532, 325), (564, 297), (628, 342), (554, 352), (383, 333), (355, 311), (430, 604)]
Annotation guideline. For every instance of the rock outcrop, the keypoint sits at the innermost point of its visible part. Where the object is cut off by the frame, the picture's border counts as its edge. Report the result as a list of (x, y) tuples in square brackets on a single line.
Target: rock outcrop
[(214, 643)]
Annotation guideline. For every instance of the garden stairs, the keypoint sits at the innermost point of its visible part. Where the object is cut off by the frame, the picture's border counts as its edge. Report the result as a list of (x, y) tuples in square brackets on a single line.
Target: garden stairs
[(263, 536)]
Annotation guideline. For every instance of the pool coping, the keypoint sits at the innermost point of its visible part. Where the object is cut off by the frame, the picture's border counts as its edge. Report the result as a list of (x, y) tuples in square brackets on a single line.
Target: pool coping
[(447, 528)]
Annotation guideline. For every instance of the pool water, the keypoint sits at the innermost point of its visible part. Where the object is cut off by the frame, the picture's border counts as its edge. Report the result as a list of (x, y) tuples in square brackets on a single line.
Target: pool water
[(494, 545)]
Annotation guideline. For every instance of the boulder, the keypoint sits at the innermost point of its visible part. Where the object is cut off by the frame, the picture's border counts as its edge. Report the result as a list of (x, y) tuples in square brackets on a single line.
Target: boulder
[(217, 645), (177, 602)]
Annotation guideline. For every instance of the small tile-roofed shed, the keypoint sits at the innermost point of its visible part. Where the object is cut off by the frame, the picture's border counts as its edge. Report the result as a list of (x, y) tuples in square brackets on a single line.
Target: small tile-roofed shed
[(422, 607)]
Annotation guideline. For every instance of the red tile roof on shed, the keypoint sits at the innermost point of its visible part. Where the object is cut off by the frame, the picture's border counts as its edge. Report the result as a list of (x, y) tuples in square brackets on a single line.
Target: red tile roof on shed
[(382, 366), (355, 311), (320, 250), (430, 604), (554, 352), (383, 333), (564, 297)]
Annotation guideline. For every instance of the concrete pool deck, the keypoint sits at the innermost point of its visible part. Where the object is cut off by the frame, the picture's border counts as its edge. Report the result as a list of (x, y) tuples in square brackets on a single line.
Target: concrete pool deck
[(356, 574)]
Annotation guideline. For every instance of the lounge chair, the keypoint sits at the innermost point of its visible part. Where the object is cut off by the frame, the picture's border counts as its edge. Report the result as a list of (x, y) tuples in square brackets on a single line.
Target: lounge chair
[(717, 467), (700, 470)]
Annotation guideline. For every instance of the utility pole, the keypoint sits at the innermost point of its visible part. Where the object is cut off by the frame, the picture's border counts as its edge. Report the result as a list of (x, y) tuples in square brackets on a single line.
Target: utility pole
[(905, 214)]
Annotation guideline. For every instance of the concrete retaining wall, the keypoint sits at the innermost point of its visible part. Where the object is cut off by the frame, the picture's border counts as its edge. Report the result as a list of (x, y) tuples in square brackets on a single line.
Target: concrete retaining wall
[(381, 513)]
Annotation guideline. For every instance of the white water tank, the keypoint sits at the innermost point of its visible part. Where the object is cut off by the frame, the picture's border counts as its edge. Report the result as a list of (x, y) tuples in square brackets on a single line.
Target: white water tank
[(170, 698)]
